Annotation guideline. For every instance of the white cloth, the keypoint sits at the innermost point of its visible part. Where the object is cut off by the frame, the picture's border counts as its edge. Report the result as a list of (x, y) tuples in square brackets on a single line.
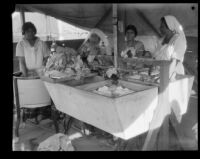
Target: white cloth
[(164, 52), (134, 48), (124, 52), (176, 47), (57, 142), (33, 55), (179, 42), (149, 42), (111, 71), (90, 58)]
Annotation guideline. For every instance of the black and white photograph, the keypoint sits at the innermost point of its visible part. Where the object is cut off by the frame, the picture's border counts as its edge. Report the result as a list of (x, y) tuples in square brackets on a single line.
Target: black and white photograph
[(105, 77)]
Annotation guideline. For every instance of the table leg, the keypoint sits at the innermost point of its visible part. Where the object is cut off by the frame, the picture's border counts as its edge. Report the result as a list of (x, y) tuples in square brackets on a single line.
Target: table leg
[(120, 145), (23, 115), (64, 123), (54, 115), (18, 122), (69, 124), (36, 115)]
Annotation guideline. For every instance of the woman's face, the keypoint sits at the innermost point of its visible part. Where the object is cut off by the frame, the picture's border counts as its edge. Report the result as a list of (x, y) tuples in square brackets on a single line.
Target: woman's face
[(94, 39), (29, 34), (130, 35), (163, 28)]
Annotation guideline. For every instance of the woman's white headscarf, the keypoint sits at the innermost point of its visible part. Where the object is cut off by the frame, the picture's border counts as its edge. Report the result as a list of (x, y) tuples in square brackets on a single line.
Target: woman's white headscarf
[(180, 43), (174, 25), (102, 36)]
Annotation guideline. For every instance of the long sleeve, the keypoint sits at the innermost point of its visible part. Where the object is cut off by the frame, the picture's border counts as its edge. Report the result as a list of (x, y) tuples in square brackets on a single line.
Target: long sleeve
[(179, 48)]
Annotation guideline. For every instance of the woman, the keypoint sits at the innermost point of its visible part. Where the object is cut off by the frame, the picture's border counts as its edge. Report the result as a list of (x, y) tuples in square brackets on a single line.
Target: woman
[(173, 45), (31, 51), (132, 47), (95, 44)]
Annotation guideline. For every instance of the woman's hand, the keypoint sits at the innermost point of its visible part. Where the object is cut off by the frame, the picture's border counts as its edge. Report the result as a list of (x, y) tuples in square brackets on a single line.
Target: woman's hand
[(128, 52), (24, 75)]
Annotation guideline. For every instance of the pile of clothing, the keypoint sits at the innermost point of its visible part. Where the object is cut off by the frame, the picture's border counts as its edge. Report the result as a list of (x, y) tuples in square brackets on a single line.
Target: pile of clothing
[(113, 91), (65, 63), (57, 142)]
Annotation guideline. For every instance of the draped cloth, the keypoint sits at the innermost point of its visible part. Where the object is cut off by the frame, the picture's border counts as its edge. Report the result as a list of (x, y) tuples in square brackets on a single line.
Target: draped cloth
[(179, 42)]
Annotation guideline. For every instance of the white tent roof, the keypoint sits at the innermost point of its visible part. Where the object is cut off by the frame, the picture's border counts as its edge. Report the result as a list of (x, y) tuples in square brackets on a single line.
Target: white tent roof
[(146, 17)]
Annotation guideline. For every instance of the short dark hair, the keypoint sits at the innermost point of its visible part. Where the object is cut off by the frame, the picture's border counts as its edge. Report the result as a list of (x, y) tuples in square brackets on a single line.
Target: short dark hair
[(27, 26), (131, 27)]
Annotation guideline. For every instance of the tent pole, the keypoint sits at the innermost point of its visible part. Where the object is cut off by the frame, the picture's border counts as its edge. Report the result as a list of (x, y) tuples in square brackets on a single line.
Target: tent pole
[(22, 16), (115, 34), (125, 18)]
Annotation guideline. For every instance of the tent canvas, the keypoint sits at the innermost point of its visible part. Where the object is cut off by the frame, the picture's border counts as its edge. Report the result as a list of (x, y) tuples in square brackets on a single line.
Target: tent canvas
[(144, 16)]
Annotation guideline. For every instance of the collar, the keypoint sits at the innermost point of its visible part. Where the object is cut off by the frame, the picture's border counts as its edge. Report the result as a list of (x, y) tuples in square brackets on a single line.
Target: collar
[(27, 42)]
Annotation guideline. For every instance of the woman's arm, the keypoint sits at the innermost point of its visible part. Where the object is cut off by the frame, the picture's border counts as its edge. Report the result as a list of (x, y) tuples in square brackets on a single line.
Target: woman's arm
[(172, 69), (21, 58), (22, 66)]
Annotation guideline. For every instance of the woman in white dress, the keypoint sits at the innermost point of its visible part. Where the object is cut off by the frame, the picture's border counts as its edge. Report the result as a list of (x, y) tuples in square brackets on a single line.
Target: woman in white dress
[(32, 54), (172, 46), (31, 51)]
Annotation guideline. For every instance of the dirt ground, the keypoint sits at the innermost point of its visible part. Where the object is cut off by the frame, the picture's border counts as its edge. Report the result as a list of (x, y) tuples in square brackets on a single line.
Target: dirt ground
[(32, 135)]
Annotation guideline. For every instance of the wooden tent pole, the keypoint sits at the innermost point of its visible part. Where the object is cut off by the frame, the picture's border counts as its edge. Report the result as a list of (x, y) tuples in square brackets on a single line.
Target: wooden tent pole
[(115, 34), (22, 16)]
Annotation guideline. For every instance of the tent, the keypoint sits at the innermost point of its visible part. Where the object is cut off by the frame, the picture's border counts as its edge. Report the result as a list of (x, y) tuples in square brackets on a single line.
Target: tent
[(144, 16)]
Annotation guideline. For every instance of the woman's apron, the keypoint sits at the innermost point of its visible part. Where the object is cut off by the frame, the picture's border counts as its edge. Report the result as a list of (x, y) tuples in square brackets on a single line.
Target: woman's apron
[(165, 52)]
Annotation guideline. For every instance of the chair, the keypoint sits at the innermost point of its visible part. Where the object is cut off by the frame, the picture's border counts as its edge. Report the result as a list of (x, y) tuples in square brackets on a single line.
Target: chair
[(29, 93)]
